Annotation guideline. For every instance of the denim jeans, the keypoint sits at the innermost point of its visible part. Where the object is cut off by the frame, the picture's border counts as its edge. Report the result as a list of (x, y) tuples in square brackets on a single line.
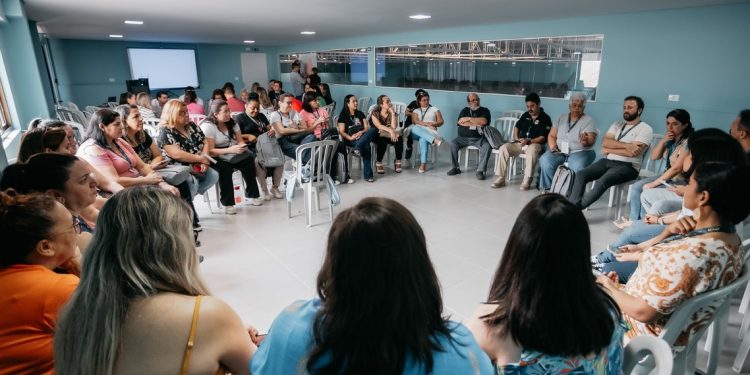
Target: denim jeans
[(606, 173), (199, 185), (549, 161), (363, 145), (425, 139), (635, 234), (660, 201)]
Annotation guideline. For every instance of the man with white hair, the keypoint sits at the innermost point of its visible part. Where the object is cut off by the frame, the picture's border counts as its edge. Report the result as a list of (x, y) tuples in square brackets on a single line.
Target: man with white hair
[(470, 120), (572, 138)]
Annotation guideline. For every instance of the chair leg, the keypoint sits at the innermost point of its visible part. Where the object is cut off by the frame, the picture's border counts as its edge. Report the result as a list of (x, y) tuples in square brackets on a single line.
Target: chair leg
[(308, 204), (742, 353), (716, 334)]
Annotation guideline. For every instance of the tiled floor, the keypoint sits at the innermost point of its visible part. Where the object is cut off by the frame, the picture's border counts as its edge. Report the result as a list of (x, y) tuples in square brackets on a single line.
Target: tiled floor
[(259, 261)]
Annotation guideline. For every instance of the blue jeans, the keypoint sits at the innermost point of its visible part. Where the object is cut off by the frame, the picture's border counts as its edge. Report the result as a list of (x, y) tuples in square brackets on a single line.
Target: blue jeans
[(549, 161), (635, 234), (636, 209), (199, 185), (425, 138), (363, 145)]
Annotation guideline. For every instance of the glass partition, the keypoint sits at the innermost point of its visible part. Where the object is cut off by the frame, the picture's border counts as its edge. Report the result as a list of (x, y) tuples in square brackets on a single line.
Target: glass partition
[(342, 66)]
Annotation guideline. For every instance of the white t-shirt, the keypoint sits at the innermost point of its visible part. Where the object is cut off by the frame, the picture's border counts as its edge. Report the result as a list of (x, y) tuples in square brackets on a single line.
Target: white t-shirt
[(427, 115), (289, 121), (221, 140), (640, 132)]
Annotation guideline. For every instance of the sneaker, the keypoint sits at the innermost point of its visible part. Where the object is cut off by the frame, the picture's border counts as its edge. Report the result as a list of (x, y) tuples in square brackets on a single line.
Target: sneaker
[(480, 175), (356, 152), (408, 153), (255, 201), (349, 180), (499, 182), (453, 171), (276, 193), (267, 196), (336, 182), (423, 168), (371, 179), (230, 210)]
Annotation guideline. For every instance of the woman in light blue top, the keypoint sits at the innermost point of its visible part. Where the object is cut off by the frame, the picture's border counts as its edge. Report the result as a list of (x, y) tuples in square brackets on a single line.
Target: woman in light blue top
[(379, 308), (539, 320)]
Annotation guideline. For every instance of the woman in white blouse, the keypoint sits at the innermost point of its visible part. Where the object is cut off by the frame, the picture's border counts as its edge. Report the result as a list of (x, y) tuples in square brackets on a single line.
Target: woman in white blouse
[(425, 119)]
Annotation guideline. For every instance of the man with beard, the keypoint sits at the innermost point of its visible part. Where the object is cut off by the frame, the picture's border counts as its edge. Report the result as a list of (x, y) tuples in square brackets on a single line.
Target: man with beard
[(470, 120), (529, 138), (623, 146)]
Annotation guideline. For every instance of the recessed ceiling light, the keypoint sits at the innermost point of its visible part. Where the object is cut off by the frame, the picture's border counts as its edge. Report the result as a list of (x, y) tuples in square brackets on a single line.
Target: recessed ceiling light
[(412, 46), (362, 50), (129, 22), (420, 16), (248, 41), (490, 44), (307, 32), (115, 36)]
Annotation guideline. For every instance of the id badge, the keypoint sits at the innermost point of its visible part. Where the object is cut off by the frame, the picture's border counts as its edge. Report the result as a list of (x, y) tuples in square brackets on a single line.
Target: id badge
[(472, 128), (565, 147)]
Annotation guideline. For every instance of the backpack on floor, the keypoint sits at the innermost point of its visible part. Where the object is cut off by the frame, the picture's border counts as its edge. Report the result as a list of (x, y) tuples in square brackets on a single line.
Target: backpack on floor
[(562, 183), (338, 167), (268, 151)]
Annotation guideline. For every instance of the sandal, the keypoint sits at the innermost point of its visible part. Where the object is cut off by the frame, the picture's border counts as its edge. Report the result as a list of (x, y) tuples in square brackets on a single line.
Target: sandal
[(397, 166), (422, 168), (379, 168)]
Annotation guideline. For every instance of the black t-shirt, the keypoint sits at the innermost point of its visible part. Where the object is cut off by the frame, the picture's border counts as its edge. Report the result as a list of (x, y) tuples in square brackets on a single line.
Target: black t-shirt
[(314, 79), (412, 106), (274, 96), (253, 126), (353, 124), (532, 129), (464, 131), (143, 149)]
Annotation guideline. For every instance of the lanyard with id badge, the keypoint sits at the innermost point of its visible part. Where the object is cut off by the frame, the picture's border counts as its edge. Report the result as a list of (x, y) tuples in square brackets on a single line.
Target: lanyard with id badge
[(565, 145)]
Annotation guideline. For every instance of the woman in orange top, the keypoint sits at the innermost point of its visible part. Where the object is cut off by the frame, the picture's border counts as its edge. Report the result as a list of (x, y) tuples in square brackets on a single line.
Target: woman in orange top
[(39, 236)]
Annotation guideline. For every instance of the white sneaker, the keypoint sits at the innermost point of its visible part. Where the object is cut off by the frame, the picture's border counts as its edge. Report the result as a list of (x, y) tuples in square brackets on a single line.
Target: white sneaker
[(255, 201), (267, 196), (276, 193), (230, 210)]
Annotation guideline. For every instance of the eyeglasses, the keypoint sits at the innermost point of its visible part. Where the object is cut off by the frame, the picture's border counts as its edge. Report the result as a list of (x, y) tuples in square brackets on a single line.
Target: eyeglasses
[(76, 228)]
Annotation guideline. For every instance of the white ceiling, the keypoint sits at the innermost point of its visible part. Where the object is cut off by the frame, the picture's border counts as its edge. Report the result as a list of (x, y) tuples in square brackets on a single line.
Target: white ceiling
[(272, 22)]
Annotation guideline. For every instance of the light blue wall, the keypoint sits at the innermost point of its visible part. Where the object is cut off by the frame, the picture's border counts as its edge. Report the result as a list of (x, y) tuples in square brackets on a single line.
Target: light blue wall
[(699, 53), (84, 67)]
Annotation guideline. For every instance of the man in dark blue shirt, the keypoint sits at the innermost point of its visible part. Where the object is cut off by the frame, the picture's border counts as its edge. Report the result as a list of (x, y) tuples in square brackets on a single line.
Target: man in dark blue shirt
[(529, 138)]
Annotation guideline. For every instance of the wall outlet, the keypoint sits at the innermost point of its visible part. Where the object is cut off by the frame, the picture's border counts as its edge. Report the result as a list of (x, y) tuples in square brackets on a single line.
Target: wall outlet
[(673, 98), (111, 80), (236, 78)]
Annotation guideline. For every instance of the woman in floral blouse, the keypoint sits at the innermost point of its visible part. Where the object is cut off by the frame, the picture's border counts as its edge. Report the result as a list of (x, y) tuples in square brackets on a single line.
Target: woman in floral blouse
[(184, 142)]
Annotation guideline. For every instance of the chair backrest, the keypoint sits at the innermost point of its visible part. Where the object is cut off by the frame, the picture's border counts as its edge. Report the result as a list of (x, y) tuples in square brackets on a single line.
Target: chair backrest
[(73, 106), (197, 118), (642, 346), (505, 126), (321, 153), (680, 317), (112, 105), (364, 102), (400, 109), (516, 113), (235, 114)]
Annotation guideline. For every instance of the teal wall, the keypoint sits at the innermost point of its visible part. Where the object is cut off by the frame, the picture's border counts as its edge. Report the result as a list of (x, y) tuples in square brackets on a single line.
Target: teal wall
[(24, 65), (699, 53), (85, 67)]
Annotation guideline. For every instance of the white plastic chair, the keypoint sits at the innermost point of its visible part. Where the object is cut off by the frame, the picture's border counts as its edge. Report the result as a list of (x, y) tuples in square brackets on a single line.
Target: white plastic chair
[(363, 102), (321, 153), (516, 114), (744, 333), (400, 109), (648, 348), (684, 361)]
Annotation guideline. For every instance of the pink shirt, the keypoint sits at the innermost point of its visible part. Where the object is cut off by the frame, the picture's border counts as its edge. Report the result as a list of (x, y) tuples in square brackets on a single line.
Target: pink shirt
[(195, 109), (103, 158), (235, 105), (310, 118)]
